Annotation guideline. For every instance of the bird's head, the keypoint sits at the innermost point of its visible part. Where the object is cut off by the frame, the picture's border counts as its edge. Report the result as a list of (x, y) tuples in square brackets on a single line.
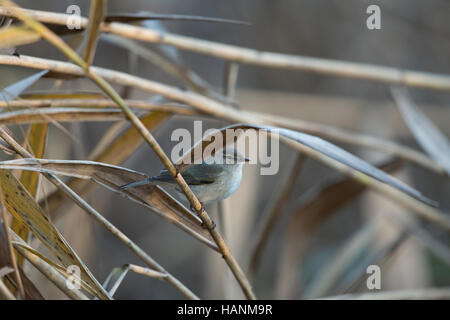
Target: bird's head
[(228, 156)]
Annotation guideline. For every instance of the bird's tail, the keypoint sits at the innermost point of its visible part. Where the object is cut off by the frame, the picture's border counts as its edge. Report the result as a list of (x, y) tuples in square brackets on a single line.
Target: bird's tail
[(136, 183)]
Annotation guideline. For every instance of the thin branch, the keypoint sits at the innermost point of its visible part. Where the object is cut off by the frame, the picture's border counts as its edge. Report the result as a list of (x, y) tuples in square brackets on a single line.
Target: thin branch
[(117, 275), (177, 108), (125, 17), (256, 57), (359, 139), (96, 16)]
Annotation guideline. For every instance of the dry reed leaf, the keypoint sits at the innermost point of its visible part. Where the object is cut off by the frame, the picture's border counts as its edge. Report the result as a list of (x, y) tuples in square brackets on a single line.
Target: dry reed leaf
[(4, 271), (45, 115), (36, 140), (17, 36), (432, 140), (34, 143), (31, 292), (152, 197), (63, 95), (12, 91), (132, 17), (22, 206), (315, 207), (61, 76)]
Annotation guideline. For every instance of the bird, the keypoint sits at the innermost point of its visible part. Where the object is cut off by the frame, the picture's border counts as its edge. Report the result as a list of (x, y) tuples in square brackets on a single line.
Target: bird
[(215, 179)]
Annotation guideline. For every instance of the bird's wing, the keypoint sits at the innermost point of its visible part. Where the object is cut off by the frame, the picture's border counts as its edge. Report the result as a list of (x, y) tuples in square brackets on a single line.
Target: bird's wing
[(192, 176)]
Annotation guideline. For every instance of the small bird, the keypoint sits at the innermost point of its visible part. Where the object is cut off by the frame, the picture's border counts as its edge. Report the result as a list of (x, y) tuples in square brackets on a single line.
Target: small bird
[(213, 180)]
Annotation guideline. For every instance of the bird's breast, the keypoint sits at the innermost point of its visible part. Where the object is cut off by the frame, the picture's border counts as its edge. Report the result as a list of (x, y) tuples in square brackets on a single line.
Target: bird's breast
[(225, 184)]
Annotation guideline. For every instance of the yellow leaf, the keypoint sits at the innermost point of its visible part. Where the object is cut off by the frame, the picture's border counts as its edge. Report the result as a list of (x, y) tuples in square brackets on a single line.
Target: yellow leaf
[(63, 95), (22, 206), (35, 143), (16, 36)]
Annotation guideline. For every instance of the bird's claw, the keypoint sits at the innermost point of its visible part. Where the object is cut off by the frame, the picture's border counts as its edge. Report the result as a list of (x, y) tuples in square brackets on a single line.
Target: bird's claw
[(195, 211), (213, 225), (201, 210)]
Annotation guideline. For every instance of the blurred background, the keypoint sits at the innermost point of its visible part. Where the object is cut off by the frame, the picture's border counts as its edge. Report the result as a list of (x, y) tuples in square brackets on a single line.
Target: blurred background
[(414, 35)]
